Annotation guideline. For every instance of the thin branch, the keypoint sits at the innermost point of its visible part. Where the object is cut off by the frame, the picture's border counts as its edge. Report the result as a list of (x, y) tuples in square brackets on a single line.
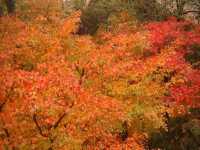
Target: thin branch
[(191, 11), (6, 132), (38, 126), (81, 72), (58, 121)]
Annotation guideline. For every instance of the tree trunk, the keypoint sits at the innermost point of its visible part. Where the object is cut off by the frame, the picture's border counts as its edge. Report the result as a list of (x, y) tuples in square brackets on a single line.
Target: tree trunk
[(10, 4), (87, 2)]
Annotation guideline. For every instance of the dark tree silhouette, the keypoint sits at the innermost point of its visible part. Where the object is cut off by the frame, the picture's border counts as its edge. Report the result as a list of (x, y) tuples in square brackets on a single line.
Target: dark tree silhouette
[(10, 4)]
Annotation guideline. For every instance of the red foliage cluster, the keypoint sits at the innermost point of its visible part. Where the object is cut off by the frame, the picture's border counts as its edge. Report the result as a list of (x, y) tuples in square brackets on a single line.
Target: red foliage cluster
[(162, 34), (179, 36)]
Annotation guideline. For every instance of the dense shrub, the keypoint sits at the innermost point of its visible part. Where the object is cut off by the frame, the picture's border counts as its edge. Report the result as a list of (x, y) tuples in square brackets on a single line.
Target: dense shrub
[(97, 13), (194, 56), (148, 10), (183, 133)]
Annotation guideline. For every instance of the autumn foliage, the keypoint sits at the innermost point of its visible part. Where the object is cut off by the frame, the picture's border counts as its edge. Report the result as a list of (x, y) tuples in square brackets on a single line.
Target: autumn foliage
[(62, 91)]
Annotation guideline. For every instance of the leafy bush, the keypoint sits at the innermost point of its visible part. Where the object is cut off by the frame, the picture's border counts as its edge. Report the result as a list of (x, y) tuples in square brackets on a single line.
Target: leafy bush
[(97, 13), (183, 133), (149, 10), (194, 56), (20, 61), (146, 116)]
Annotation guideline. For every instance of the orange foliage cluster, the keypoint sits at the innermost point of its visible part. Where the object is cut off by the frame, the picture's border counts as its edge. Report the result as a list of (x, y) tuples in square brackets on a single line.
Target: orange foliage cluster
[(62, 91)]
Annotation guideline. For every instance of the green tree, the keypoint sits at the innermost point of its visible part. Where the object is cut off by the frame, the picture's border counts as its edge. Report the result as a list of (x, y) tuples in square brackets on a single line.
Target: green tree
[(95, 13)]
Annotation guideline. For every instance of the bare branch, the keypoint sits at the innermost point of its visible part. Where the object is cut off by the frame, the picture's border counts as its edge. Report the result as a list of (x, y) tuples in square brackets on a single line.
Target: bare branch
[(38, 126), (59, 120), (191, 11)]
